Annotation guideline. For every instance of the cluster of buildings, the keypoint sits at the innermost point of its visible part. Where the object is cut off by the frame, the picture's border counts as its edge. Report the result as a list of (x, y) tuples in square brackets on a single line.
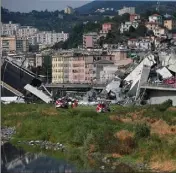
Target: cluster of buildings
[(83, 66), (17, 38), (102, 10)]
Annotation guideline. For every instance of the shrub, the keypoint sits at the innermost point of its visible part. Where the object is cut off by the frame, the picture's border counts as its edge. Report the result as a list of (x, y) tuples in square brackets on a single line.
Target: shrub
[(165, 105), (142, 131)]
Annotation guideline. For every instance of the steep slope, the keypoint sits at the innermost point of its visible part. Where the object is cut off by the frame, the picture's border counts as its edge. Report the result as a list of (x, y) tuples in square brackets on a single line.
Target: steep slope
[(141, 6)]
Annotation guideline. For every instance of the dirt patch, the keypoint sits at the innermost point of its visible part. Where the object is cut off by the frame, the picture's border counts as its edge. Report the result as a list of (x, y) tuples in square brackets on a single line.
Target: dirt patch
[(116, 155), (130, 117), (124, 135), (164, 166), (49, 112), (136, 115), (91, 148), (19, 124), (115, 118), (161, 128), (119, 119), (172, 109), (126, 142)]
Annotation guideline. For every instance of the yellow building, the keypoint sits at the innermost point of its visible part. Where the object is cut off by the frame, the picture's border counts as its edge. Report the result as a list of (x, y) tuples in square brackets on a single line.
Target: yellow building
[(60, 68), (8, 44), (170, 24), (68, 10)]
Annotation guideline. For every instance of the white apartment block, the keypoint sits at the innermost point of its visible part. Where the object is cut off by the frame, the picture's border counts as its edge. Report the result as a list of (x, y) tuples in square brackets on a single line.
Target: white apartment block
[(32, 40), (26, 31), (156, 19), (9, 29), (39, 60), (126, 26), (130, 10), (159, 31), (50, 38)]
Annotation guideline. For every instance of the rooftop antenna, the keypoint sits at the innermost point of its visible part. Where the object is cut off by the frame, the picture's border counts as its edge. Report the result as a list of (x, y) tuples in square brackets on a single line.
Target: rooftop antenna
[(157, 6)]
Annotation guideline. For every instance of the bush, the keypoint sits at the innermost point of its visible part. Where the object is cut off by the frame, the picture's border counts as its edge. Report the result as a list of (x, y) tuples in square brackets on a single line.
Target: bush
[(142, 131), (165, 105)]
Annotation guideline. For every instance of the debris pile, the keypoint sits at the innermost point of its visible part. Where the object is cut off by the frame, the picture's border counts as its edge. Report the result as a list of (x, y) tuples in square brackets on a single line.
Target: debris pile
[(6, 134)]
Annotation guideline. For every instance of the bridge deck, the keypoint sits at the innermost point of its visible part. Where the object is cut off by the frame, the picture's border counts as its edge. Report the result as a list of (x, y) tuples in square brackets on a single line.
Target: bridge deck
[(71, 85)]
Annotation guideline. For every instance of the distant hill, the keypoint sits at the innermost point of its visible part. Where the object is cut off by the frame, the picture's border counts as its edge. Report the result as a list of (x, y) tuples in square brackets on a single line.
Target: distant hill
[(141, 6)]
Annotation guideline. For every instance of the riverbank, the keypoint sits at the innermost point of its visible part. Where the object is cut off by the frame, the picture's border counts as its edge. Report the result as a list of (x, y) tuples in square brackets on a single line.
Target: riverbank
[(140, 136)]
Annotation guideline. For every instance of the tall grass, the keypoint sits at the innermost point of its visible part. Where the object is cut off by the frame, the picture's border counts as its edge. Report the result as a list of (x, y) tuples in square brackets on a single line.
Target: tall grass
[(82, 127)]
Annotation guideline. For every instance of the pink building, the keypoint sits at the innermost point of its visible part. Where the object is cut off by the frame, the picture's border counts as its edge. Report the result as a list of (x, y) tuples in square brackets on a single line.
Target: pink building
[(77, 70), (107, 27), (90, 40), (121, 59)]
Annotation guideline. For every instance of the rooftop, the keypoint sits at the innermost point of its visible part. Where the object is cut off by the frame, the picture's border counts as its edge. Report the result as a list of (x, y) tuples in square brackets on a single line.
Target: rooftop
[(155, 15)]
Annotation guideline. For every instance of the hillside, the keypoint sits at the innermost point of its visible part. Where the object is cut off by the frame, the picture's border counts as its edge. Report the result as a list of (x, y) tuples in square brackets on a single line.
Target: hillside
[(140, 6)]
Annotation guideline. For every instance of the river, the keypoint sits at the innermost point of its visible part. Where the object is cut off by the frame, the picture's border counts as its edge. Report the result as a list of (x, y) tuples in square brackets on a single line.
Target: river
[(17, 160)]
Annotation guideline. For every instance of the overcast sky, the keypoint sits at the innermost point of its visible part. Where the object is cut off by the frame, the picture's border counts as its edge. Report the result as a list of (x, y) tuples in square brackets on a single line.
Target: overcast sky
[(29, 5)]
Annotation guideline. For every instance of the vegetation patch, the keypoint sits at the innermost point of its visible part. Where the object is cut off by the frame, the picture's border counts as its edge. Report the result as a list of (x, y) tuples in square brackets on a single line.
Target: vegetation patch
[(129, 134)]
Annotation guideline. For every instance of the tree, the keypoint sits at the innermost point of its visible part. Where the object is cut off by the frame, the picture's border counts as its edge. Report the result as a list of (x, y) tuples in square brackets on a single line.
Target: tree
[(141, 30), (150, 33), (101, 41), (131, 29)]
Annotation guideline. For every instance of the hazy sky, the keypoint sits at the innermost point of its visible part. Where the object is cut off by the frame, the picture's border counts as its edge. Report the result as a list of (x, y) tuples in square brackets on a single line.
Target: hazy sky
[(29, 5)]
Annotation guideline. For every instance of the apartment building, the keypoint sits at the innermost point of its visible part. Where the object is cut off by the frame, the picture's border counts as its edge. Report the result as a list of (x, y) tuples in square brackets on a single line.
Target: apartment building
[(60, 67), (50, 38), (90, 40), (32, 40), (77, 69), (8, 44), (9, 29), (68, 10), (170, 24), (22, 44), (160, 31), (26, 31), (134, 17), (120, 58), (106, 27), (84, 67), (156, 18), (98, 67), (126, 26), (38, 60), (130, 10), (151, 25), (108, 73)]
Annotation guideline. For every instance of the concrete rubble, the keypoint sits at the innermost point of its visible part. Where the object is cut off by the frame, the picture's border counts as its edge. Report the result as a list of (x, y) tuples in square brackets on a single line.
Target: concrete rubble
[(150, 70), (44, 145), (6, 134)]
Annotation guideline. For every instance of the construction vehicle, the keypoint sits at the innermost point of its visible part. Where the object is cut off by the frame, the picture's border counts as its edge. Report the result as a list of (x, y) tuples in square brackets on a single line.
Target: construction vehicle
[(103, 106)]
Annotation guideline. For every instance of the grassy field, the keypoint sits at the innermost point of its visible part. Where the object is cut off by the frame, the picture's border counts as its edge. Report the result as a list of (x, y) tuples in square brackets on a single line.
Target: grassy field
[(127, 134)]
